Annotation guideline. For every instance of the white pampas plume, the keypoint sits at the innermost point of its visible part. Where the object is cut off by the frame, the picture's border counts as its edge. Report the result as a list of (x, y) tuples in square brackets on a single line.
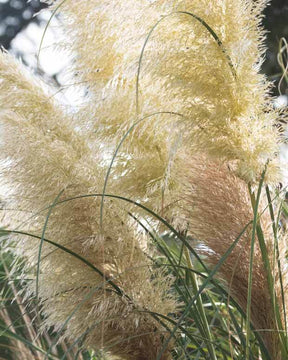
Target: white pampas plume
[(43, 158), (194, 58), (177, 84)]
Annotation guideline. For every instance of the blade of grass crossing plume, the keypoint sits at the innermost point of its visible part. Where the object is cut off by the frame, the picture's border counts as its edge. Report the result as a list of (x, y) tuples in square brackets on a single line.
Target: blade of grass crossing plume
[(72, 253), (275, 232), (200, 307), (205, 25), (116, 153), (202, 287), (41, 244), (255, 206)]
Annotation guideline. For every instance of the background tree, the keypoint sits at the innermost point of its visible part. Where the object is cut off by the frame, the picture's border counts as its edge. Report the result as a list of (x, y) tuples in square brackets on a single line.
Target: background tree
[(15, 15)]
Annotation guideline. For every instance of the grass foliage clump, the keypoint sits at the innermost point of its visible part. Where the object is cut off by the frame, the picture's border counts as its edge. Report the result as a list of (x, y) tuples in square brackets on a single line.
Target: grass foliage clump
[(148, 221)]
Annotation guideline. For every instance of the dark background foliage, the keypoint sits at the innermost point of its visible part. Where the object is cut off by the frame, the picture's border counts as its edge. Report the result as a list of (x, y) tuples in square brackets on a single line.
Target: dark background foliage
[(15, 15), (276, 22)]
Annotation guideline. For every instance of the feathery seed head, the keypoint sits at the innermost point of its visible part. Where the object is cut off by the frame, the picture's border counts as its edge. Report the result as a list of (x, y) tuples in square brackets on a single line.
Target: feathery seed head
[(170, 80), (42, 156), (200, 59)]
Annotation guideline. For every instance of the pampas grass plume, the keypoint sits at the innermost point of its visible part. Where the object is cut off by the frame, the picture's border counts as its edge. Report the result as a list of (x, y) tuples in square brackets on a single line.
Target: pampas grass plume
[(204, 131), (41, 156)]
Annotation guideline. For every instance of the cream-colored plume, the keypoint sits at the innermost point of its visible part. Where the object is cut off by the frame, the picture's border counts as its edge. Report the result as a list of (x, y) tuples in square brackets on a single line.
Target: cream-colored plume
[(168, 78), (201, 60), (41, 155)]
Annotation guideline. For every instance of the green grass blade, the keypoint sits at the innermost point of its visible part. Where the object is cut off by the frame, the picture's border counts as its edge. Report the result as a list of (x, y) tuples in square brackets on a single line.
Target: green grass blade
[(202, 22), (255, 205), (211, 274), (117, 150), (72, 253), (46, 28), (275, 232), (42, 241)]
